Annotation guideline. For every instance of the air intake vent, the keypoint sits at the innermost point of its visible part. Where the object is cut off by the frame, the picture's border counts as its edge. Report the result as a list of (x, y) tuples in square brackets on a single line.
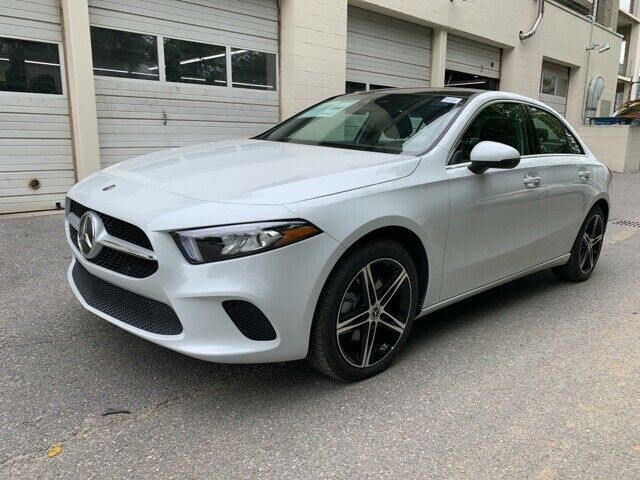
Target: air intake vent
[(251, 322), (128, 307)]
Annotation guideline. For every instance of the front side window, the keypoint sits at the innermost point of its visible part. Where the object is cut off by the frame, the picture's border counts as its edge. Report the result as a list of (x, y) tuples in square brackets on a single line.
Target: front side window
[(376, 121), (31, 67), (124, 54), (499, 122), (551, 134), (192, 62), (251, 69)]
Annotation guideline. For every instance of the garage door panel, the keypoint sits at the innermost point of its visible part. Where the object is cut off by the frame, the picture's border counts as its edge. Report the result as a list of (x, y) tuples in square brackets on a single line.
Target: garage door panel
[(376, 25), (473, 57), (372, 48), (387, 51), (136, 117), (561, 73), (31, 20), (173, 18)]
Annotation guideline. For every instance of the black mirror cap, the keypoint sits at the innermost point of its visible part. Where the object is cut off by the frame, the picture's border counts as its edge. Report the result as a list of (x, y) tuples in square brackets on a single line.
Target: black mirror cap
[(480, 167)]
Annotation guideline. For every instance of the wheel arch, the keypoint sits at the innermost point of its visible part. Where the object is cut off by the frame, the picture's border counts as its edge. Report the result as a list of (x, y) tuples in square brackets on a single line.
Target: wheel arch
[(399, 231)]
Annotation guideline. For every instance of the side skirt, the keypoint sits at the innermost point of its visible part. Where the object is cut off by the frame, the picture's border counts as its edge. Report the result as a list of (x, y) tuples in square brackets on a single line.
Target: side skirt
[(538, 268)]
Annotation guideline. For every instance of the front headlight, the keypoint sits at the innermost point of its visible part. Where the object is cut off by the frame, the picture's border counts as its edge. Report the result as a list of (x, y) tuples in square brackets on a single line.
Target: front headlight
[(212, 244)]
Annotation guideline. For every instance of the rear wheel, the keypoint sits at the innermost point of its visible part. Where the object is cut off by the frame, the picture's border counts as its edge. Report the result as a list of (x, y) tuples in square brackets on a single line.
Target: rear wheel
[(365, 312), (586, 249)]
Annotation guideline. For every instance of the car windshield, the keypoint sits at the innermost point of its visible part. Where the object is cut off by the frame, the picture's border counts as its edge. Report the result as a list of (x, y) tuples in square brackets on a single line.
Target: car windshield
[(389, 122)]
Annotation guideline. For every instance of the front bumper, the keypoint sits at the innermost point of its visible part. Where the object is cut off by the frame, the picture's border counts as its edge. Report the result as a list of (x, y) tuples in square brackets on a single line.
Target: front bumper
[(284, 284)]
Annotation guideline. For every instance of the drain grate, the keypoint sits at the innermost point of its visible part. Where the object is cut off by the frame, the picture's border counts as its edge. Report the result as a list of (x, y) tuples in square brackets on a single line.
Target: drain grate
[(627, 223)]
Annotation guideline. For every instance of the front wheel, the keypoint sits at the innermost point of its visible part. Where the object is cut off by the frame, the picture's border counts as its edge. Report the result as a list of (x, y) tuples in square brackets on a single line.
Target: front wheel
[(586, 249), (365, 312)]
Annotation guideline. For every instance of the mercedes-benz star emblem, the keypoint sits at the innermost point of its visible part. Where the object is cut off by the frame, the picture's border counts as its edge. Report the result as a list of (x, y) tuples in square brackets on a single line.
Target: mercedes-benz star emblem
[(88, 233)]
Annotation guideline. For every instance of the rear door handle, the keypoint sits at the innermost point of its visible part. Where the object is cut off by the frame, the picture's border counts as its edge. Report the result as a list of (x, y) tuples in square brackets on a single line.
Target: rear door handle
[(532, 181), (584, 175)]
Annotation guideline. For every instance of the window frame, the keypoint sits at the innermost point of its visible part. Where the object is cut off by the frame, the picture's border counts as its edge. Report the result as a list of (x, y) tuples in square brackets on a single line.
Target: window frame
[(63, 72), (473, 118), (567, 131), (567, 127), (159, 51), (161, 62)]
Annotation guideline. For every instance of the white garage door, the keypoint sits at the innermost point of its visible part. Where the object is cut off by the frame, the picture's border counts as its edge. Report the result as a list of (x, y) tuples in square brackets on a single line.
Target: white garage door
[(36, 162), (554, 85), (384, 51), (472, 57), (171, 72)]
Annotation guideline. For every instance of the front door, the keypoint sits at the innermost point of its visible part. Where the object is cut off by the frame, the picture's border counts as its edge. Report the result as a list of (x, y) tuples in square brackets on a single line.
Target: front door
[(494, 217)]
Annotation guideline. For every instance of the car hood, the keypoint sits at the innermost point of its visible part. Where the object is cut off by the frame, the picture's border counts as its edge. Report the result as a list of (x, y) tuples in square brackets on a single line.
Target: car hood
[(261, 172)]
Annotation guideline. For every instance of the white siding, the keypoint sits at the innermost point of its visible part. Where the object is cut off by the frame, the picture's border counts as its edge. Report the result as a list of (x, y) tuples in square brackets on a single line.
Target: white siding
[(141, 116), (473, 57), (387, 51), (35, 138), (31, 20), (557, 102), (251, 24)]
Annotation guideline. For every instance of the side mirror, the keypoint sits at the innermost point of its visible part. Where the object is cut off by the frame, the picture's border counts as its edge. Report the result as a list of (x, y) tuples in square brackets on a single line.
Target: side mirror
[(486, 155)]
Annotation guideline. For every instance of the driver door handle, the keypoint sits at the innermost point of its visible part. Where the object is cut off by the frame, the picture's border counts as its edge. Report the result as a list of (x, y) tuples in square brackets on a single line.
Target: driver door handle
[(532, 181)]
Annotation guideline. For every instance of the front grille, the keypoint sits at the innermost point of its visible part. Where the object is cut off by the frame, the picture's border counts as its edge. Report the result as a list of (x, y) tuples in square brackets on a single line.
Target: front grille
[(115, 260), (116, 227), (128, 307), (249, 319), (119, 262)]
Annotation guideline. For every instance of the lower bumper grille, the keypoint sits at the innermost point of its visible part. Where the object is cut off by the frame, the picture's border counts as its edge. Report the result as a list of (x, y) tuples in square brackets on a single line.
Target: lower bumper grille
[(128, 307)]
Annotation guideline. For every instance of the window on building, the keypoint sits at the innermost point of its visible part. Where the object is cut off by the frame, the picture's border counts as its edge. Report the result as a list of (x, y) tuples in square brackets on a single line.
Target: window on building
[(552, 136), (499, 122), (124, 54), (251, 69), (352, 87), (192, 62), (553, 84), (373, 86), (32, 67)]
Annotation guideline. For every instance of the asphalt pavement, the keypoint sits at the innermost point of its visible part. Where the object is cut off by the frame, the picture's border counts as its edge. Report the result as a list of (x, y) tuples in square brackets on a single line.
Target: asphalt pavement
[(536, 379)]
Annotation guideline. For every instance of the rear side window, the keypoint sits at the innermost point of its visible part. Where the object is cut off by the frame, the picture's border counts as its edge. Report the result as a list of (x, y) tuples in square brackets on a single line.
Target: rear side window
[(552, 136), (499, 122)]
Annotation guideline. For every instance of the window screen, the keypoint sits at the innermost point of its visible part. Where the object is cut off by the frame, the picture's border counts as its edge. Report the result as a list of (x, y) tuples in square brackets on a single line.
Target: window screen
[(250, 69), (32, 67), (192, 62), (124, 54)]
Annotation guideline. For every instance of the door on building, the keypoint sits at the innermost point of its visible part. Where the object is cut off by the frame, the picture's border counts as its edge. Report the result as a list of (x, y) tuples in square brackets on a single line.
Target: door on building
[(472, 64), (554, 86), (170, 73), (384, 52), (36, 160)]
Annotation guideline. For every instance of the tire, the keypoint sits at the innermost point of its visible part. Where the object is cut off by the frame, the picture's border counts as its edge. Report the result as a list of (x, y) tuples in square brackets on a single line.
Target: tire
[(586, 249), (369, 338)]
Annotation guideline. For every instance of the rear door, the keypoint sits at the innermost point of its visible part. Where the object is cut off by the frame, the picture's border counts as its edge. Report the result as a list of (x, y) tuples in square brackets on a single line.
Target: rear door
[(565, 171), (494, 217)]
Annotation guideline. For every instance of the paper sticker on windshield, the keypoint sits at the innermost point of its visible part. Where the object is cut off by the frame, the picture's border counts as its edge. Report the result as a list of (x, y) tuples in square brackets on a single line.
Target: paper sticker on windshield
[(454, 100), (329, 109)]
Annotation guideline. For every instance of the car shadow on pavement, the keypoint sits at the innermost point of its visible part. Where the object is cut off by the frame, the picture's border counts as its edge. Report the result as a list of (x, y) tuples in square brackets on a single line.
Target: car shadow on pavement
[(252, 389)]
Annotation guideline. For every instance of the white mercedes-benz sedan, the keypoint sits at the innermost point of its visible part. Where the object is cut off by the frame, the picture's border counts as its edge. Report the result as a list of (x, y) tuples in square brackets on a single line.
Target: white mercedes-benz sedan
[(326, 236)]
